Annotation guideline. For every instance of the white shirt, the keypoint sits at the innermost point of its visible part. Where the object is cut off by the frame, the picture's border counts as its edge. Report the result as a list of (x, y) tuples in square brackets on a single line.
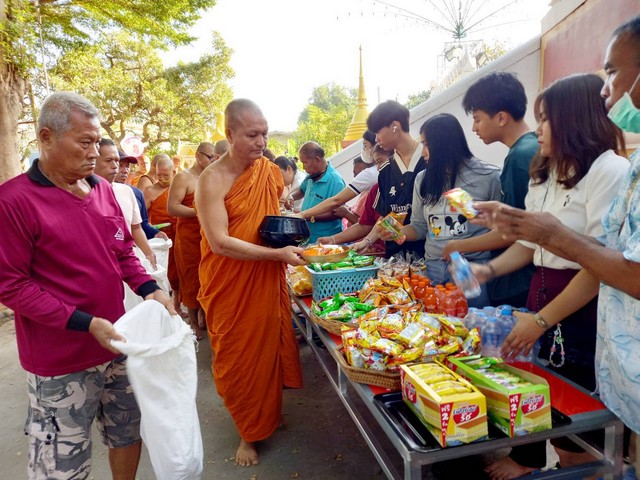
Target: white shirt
[(128, 204), (365, 180), (580, 208), (297, 181)]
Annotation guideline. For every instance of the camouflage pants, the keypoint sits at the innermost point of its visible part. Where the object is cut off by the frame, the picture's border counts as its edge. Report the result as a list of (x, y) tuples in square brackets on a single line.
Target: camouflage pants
[(61, 412)]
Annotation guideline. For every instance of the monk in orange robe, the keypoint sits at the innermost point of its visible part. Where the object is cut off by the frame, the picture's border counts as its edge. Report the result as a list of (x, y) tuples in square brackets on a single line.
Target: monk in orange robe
[(187, 246), (243, 287), (156, 197)]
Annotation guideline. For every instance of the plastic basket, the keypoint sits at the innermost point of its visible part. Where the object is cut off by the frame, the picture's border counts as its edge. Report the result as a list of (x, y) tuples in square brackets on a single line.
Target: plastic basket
[(327, 284)]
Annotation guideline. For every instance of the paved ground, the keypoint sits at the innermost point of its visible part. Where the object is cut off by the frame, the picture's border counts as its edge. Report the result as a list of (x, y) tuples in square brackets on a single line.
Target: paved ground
[(320, 441)]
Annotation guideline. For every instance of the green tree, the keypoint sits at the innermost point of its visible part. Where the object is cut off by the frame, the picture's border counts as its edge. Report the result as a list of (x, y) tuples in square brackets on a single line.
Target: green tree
[(65, 24), (326, 117), (124, 77), (417, 99)]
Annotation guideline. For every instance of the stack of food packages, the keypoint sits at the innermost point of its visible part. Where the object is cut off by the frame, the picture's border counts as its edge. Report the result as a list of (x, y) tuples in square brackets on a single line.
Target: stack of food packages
[(396, 329), (299, 280), (447, 298)]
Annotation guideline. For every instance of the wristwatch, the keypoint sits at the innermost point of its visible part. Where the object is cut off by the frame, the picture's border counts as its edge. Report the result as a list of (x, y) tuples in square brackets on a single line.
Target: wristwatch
[(541, 322)]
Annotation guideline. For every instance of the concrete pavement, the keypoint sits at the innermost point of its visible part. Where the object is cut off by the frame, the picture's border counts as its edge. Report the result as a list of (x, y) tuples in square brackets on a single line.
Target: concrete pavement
[(320, 441)]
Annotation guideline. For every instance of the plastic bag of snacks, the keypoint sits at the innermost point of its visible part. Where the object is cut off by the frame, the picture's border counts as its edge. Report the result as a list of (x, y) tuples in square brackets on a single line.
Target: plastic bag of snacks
[(299, 279)]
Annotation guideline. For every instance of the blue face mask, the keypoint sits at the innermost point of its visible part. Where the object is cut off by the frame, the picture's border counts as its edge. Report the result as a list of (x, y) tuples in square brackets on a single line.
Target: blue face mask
[(625, 114)]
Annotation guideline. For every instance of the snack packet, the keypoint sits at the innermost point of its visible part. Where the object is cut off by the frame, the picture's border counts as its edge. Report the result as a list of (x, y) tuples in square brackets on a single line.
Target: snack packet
[(461, 200), (393, 224)]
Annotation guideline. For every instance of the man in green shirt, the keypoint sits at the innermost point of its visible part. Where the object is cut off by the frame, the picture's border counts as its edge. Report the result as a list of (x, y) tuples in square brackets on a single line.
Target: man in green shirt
[(498, 103)]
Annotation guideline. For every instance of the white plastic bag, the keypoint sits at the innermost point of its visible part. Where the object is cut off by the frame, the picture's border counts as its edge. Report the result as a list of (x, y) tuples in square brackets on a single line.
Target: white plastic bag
[(161, 248), (162, 369)]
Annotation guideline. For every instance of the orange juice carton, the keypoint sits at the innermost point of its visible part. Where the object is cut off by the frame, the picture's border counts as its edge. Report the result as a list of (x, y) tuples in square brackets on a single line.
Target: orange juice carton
[(452, 409), (518, 402)]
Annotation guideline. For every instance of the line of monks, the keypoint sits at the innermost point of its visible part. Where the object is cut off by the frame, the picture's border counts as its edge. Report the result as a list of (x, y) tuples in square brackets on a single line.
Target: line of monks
[(169, 197)]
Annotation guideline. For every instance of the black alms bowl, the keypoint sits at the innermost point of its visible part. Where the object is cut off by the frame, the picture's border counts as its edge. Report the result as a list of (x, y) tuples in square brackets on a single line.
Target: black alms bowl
[(278, 231)]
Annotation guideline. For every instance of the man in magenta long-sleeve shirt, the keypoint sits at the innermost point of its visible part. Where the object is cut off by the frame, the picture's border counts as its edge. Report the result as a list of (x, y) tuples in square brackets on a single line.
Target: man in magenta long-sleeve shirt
[(65, 252)]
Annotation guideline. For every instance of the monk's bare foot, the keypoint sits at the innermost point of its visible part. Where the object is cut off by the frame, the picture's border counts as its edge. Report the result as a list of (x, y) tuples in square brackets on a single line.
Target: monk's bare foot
[(247, 454), (507, 469), (202, 321)]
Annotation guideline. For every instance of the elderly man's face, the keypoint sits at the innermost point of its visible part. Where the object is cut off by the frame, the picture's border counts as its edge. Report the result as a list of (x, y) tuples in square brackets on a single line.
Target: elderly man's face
[(622, 68), (248, 139), (107, 163), (165, 174), (205, 156), (124, 168), (73, 153), (311, 164)]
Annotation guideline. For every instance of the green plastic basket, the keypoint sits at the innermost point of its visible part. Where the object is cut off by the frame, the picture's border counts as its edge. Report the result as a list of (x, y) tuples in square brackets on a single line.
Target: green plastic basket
[(327, 284)]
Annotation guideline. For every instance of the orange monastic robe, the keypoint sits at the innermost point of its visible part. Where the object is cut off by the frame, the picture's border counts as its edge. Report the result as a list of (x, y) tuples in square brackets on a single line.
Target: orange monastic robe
[(158, 214), (248, 312), (187, 256)]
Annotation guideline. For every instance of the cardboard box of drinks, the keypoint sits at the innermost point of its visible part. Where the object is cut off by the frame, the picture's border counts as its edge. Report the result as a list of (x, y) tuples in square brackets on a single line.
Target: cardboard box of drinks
[(452, 409), (518, 402)]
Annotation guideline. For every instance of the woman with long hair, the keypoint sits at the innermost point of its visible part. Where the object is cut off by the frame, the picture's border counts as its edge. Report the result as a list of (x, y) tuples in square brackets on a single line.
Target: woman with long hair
[(575, 177), (449, 164)]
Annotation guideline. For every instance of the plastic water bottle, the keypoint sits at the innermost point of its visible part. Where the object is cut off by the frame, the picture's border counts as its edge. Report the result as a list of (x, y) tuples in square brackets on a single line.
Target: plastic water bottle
[(470, 318), (463, 276), (506, 320), (492, 337)]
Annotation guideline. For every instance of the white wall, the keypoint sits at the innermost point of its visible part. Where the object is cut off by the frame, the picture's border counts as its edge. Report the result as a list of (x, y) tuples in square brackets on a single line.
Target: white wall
[(523, 61)]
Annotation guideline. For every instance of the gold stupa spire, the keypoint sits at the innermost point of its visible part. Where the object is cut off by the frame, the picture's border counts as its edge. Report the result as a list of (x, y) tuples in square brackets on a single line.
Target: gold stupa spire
[(358, 123)]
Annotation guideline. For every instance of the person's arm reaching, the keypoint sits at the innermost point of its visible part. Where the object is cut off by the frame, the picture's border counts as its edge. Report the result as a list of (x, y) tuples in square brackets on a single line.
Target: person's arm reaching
[(491, 240), (580, 291), (327, 206), (513, 258), (141, 242), (354, 232)]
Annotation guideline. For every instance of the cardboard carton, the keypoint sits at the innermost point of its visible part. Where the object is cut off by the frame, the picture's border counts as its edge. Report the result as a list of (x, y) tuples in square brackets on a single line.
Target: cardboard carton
[(516, 411), (452, 419)]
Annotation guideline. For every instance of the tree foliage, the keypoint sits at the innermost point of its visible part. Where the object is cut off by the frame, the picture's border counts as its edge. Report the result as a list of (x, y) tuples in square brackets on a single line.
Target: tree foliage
[(417, 99), (326, 117), (125, 78), (65, 25)]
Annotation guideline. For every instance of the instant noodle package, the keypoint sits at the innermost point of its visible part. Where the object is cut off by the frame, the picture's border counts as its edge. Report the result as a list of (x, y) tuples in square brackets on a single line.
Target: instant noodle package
[(451, 408)]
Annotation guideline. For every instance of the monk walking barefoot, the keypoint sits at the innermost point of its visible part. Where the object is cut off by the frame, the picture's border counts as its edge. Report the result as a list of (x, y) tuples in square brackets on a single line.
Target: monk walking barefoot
[(187, 247), (247, 454), (243, 287)]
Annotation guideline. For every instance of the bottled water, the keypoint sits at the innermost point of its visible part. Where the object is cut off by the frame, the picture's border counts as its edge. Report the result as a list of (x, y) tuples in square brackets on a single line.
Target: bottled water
[(492, 337), (463, 276)]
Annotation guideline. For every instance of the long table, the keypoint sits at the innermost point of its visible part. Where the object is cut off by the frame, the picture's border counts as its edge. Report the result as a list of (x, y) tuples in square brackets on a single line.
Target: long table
[(585, 412)]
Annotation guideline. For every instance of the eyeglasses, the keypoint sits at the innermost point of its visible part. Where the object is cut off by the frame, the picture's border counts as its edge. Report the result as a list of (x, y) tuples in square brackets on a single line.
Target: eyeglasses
[(210, 157)]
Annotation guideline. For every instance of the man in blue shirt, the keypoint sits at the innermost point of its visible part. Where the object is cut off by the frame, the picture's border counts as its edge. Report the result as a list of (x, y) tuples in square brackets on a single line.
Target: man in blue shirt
[(322, 182)]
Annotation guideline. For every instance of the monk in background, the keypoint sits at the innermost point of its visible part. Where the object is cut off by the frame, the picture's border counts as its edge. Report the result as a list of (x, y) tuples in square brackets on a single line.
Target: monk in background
[(150, 177), (243, 289), (187, 247), (156, 197)]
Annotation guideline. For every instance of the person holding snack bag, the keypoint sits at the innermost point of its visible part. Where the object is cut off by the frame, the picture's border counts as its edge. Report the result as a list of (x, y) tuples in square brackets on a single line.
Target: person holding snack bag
[(450, 164), (390, 122)]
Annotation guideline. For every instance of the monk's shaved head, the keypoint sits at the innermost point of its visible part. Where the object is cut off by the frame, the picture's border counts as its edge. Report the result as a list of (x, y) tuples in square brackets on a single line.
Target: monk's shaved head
[(162, 160), (236, 108)]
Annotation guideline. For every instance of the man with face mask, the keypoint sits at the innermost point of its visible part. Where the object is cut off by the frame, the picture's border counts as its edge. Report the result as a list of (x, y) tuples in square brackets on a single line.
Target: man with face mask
[(611, 261)]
